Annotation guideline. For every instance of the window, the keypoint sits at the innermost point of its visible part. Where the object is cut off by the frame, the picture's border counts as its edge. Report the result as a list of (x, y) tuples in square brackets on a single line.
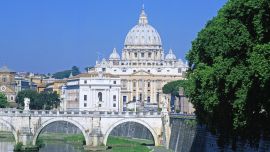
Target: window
[(148, 99), (114, 97), (149, 71), (4, 79), (85, 97), (140, 97), (135, 54), (142, 55), (85, 104), (134, 84), (149, 55), (85, 81), (134, 98), (114, 105), (11, 98), (99, 96), (124, 70), (148, 84), (134, 70), (179, 70), (124, 99), (103, 69), (114, 82), (158, 97), (99, 105)]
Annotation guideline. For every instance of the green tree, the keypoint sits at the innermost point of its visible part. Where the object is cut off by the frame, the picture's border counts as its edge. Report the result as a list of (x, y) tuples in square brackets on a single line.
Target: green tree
[(173, 87), (32, 95), (229, 76), (43, 100), (3, 100), (50, 100), (66, 73), (75, 70)]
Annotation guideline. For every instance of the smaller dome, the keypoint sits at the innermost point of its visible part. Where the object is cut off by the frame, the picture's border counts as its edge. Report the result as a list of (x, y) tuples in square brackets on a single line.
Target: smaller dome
[(170, 55), (114, 55)]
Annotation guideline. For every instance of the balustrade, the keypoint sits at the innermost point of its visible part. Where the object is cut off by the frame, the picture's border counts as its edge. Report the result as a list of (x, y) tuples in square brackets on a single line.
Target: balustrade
[(57, 113)]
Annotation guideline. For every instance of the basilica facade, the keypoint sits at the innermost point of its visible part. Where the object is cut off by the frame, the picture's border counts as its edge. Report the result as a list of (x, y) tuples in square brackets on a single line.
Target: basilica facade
[(143, 66)]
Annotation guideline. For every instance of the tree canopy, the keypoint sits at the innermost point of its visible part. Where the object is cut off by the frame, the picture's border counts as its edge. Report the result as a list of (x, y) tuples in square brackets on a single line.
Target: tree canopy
[(43, 100), (66, 73), (3, 100), (229, 76), (173, 87)]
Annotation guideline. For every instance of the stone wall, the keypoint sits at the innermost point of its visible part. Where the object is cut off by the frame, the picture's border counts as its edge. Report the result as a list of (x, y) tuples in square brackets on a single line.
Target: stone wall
[(186, 137)]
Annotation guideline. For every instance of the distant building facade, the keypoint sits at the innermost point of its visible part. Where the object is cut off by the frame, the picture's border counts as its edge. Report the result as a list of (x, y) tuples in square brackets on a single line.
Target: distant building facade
[(24, 84), (8, 84), (92, 92), (55, 86)]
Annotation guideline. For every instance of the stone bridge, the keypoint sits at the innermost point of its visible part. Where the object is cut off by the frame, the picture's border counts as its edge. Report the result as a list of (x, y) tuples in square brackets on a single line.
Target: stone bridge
[(95, 126)]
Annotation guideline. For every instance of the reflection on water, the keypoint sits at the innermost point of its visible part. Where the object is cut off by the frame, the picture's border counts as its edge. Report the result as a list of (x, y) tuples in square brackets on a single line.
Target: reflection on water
[(6, 146), (60, 146)]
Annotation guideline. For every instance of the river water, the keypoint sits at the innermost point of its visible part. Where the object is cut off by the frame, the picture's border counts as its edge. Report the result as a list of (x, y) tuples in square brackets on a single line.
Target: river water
[(7, 146)]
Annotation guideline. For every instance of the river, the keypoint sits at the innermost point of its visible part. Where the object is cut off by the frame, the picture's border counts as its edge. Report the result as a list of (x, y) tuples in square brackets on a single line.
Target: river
[(59, 146)]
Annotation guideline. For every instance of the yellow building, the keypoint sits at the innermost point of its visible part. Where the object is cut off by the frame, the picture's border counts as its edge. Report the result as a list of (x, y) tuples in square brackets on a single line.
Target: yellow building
[(8, 84)]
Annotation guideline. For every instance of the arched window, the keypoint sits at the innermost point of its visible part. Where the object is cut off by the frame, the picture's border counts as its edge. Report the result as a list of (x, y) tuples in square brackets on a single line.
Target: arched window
[(99, 96)]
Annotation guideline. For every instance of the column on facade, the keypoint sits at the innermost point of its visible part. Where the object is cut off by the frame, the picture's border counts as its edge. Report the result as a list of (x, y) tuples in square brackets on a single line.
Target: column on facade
[(151, 90), (120, 104), (145, 90), (108, 102), (90, 98), (155, 92), (131, 90), (93, 98), (137, 90)]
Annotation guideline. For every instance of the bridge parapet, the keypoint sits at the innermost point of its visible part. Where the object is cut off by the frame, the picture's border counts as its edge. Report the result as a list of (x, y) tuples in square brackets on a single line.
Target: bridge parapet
[(185, 116), (55, 113)]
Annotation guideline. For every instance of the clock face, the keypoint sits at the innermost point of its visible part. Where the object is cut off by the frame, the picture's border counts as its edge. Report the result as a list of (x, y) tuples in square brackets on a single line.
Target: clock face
[(3, 88)]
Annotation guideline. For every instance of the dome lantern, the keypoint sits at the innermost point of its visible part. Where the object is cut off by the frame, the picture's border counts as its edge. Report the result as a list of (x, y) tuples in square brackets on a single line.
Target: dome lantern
[(143, 18)]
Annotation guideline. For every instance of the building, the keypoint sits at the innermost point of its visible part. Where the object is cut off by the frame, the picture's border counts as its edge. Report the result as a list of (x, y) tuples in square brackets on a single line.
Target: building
[(93, 91), (8, 84), (55, 86), (24, 84), (143, 66)]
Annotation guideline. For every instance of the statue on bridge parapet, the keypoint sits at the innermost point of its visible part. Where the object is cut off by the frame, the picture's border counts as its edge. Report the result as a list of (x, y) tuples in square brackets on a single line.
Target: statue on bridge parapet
[(26, 104), (166, 123)]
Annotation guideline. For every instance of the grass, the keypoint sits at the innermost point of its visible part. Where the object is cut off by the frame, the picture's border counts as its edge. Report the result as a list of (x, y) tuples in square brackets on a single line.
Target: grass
[(116, 144), (69, 138), (120, 144)]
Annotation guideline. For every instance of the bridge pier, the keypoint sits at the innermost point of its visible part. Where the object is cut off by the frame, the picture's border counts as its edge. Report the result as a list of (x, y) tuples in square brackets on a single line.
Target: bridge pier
[(25, 138)]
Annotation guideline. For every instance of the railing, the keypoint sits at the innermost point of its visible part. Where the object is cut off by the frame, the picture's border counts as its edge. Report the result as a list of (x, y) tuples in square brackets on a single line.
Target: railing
[(4, 112), (181, 115)]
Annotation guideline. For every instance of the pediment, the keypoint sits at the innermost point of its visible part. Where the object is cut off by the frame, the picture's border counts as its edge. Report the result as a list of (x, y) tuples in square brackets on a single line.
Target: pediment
[(141, 73)]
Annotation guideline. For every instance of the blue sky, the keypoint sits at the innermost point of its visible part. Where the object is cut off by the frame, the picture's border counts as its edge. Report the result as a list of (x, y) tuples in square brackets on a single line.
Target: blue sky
[(52, 35)]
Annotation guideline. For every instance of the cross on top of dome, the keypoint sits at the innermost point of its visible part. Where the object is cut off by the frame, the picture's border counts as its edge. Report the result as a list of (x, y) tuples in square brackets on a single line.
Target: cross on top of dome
[(143, 17)]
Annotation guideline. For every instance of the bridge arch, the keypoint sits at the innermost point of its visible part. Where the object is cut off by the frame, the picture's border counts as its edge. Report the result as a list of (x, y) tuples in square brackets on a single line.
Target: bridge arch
[(7, 124), (145, 124), (36, 134)]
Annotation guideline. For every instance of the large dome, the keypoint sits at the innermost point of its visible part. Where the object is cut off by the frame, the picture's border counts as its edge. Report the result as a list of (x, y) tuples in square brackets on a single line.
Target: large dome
[(143, 34)]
